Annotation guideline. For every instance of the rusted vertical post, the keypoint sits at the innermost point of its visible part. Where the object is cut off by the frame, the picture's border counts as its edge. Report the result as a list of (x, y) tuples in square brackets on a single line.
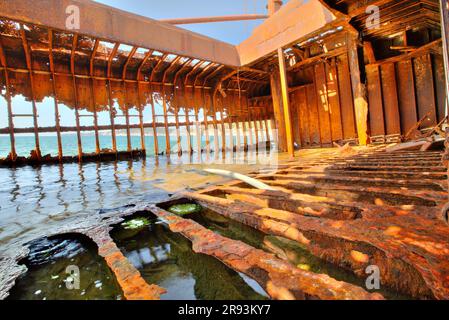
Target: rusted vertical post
[(178, 133), (55, 96), (189, 134), (286, 102), (358, 89), (214, 121), (256, 128), (265, 118), (111, 100), (33, 102), (140, 109), (206, 123), (237, 124), (186, 107), (92, 93), (251, 124), (125, 92), (128, 131), (13, 154), (231, 131), (223, 129), (167, 133), (153, 115)]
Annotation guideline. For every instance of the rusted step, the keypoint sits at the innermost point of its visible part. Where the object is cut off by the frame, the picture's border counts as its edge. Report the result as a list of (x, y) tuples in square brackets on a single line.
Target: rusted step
[(394, 244), (286, 200), (371, 174), (387, 168), (279, 279), (362, 195), (337, 208), (358, 181)]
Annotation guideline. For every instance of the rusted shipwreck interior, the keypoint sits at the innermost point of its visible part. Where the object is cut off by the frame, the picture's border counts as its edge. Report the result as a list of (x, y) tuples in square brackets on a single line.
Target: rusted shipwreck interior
[(315, 75)]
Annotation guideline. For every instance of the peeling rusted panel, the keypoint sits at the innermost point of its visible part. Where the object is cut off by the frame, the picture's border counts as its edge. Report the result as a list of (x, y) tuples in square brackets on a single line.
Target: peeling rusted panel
[(376, 113), (323, 104), (314, 124), (346, 99), (406, 95), (333, 100), (425, 94), (390, 99)]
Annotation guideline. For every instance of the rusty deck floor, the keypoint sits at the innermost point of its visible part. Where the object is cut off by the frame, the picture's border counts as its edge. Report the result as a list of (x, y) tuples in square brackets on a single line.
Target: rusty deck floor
[(368, 208), (356, 209)]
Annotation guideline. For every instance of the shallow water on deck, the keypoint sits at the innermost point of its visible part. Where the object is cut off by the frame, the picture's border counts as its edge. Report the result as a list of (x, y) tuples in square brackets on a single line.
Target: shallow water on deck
[(167, 259), (285, 249), (56, 265)]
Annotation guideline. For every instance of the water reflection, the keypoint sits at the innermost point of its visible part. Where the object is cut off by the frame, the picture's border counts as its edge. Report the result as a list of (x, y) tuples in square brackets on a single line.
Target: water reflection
[(35, 200)]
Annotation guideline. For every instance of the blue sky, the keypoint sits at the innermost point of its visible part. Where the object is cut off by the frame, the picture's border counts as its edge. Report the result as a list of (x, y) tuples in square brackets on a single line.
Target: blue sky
[(231, 32)]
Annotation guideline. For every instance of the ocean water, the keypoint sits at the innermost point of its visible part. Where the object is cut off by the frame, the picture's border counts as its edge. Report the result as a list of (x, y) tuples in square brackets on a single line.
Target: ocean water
[(49, 144)]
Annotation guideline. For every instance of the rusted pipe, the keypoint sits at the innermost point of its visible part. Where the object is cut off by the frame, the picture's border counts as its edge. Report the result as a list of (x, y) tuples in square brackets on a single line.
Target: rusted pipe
[(239, 17)]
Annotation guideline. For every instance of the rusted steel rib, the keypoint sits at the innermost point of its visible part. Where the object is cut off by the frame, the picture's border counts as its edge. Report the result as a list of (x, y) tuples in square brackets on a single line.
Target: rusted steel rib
[(131, 282), (112, 111), (280, 280), (55, 99), (13, 154), (125, 69), (92, 92), (75, 95)]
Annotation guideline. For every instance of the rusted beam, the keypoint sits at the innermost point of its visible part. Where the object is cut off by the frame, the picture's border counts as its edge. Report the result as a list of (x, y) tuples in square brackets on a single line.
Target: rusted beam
[(240, 17), (26, 49), (114, 25)]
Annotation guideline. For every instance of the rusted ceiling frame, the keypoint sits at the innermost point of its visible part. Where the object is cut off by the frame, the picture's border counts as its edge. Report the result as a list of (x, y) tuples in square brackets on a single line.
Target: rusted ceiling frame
[(13, 154), (92, 92), (110, 99), (55, 96), (75, 95), (142, 64), (158, 65), (27, 52)]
